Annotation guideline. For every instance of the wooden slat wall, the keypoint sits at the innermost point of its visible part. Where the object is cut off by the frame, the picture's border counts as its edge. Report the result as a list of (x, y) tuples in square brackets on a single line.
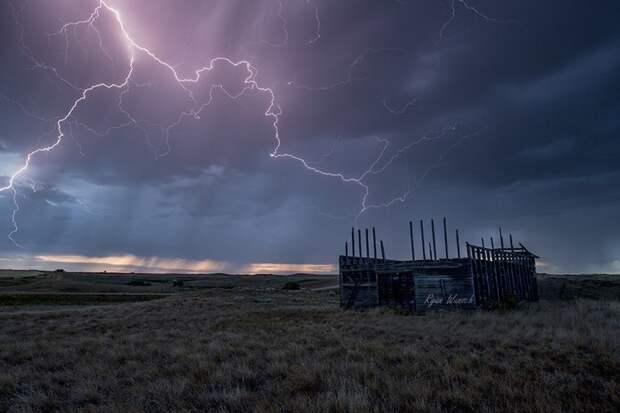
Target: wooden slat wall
[(396, 290), (502, 275), (368, 282), (358, 282), (491, 276), (444, 292)]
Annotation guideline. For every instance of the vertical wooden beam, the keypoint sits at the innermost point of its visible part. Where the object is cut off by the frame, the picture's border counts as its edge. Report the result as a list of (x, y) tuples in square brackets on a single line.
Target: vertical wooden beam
[(514, 289), (353, 242), (501, 238), (346, 249), (511, 286), (493, 274), (458, 244), (434, 244), (512, 246), (492, 244), (382, 250), (359, 242), (489, 281), (477, 275), (482, 239), (374, 241), (445, 236), (498, 278), (422, 235), (340, 269), (517, 279), (411, 240), (367, 245), (430, 249)]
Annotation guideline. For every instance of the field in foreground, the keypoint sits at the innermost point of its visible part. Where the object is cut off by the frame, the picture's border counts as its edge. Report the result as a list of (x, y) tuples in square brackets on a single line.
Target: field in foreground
[(244, 344)]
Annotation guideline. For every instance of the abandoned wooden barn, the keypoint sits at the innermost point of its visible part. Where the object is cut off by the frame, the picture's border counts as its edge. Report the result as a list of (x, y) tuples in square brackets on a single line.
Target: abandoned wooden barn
[(486, 277)]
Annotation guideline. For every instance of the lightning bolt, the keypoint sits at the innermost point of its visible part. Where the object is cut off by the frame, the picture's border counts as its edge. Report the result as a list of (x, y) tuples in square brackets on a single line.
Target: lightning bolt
[(250, 82), (317, 20), (273, 112), (350, 77), (412, 189), (332, 148), (27, 52), (400, 111), (14, 219), (25, 111), (283, 27), (470, 8)]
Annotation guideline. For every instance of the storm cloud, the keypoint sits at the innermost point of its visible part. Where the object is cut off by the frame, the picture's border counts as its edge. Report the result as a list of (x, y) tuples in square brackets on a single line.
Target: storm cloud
[(489, 113)]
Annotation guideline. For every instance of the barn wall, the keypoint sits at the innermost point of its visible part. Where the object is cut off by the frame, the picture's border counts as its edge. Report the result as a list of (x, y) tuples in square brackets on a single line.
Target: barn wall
[(367, 282), (396, 289), (444, 292), (358, 282), (486, 279)]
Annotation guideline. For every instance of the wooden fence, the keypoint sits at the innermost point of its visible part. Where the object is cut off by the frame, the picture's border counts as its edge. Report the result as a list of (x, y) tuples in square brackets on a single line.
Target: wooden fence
[(503, 274)]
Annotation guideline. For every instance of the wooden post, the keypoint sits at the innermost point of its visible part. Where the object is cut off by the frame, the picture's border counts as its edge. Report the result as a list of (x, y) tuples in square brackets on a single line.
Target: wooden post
[(445, 236), (489, 276), (515, 277), (411, 240), (475, 269), (434, 244), (492, 244), (382, 250), (458, 244), (374, 241), (422, 235), (346, 249), (482, 239), (359, 242), (501, 238), (512, 246), (353, 242), (367, 245), (497, 277), (430, 249)]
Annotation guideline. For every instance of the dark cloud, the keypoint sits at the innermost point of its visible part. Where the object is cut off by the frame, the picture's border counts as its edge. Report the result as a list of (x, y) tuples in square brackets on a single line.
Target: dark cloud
[(505, 117)]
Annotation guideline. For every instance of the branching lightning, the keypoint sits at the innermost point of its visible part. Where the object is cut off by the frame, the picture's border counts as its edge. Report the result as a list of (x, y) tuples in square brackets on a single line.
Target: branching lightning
[(317, 20), (350, 77), (470, 8), (412, 188), (272, 111), (333, 146), (283, 27), (14, 218), (400, 111)]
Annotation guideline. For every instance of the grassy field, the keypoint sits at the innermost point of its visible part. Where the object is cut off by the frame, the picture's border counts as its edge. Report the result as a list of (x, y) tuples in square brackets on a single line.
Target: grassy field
[(235, 344)]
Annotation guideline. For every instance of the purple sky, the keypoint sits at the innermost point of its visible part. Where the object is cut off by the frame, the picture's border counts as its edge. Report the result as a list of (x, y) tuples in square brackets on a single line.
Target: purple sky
[(356, 113)]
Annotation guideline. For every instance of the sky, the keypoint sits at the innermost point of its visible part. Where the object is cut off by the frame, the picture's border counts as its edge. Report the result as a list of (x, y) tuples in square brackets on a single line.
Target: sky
[(250, 136)]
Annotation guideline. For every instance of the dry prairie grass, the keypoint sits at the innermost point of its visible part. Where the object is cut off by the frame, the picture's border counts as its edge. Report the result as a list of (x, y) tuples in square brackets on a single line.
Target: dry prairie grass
[(237, 350)]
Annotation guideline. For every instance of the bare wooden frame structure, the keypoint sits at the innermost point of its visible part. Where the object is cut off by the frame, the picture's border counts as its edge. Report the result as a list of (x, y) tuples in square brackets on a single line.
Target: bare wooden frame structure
[(486, 277)]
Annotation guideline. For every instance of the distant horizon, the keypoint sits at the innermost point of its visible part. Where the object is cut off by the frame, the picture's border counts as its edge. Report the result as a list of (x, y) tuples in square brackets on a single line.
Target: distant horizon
[(169, 273), (155, 265), (114, 271)]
